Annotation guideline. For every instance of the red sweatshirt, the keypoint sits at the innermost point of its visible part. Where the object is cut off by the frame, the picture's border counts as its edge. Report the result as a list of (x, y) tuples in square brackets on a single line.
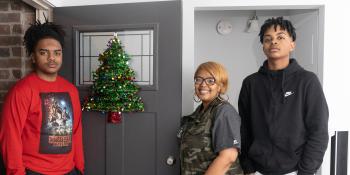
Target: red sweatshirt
[(41, 128)]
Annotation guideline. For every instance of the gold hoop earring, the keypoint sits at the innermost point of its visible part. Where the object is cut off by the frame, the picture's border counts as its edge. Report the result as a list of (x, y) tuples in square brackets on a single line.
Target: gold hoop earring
[(197, 100)]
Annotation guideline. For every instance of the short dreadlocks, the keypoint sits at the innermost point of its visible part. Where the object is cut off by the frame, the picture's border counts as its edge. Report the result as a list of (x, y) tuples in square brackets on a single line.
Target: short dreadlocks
[(279, 21)]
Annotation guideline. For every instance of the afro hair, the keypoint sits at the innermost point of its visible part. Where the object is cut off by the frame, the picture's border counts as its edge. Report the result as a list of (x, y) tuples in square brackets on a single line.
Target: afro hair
[(38, 31)]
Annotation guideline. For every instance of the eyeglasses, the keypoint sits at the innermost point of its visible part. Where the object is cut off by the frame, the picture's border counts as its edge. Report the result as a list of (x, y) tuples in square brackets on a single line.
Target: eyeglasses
[(209, 81)]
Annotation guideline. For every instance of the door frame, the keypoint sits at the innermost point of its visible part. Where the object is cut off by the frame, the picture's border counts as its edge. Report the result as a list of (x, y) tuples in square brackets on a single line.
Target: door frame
[(43, 9)]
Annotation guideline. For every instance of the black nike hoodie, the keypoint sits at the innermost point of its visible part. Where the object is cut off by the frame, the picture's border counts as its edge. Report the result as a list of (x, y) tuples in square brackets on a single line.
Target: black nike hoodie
[(284, 121)]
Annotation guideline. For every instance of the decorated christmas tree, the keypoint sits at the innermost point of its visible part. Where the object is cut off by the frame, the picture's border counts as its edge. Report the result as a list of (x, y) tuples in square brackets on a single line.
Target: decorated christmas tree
[(113, 90)]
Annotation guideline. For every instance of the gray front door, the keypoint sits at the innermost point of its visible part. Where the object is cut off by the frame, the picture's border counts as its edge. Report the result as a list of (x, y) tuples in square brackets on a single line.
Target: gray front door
[(141, 144)]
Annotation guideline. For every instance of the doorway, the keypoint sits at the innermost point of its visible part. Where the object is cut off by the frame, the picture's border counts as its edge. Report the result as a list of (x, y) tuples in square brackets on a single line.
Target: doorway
[(241, 52)]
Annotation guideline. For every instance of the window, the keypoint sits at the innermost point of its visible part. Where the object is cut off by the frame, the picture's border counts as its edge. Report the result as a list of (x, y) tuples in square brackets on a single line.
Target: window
[(136, 42)]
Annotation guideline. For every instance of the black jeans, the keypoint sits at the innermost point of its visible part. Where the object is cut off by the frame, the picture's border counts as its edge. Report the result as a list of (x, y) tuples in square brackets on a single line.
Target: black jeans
[(73, 172)]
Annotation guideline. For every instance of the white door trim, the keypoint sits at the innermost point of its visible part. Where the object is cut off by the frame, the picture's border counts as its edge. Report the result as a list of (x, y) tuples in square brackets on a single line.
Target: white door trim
[(43, 9)]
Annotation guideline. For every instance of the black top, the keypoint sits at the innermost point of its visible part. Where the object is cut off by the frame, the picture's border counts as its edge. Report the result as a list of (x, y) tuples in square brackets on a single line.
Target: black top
[(284, 121)]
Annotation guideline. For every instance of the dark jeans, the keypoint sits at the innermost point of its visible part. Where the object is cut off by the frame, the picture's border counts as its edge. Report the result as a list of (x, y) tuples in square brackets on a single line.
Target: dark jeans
[(2, 166), (73, 172)]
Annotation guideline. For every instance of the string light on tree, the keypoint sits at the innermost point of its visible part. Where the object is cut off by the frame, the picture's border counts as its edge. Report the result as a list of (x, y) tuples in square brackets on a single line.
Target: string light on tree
[(113, 90)]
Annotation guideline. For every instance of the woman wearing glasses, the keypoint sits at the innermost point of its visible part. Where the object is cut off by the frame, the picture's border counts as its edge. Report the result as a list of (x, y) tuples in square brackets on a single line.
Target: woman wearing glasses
[(210, 136)]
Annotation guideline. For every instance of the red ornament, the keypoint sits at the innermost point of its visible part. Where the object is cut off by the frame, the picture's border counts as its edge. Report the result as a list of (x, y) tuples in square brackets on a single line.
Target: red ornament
[(114, 117)]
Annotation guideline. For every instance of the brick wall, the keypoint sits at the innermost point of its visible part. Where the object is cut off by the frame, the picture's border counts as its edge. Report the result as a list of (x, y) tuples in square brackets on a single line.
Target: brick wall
[(15, 17)]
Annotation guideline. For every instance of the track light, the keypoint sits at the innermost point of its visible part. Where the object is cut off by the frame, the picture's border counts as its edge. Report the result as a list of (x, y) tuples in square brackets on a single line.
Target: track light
[(253, 24)]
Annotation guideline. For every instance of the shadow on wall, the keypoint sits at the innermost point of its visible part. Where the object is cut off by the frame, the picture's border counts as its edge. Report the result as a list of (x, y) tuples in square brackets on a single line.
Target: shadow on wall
[(258, 53)]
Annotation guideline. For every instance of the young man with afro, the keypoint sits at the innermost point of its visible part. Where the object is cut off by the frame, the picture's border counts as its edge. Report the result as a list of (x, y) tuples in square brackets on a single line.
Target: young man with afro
[(34, 139)]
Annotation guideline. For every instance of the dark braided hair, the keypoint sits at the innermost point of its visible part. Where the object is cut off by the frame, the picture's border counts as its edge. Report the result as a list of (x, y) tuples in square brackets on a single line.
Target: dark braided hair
[(38, 31), (279, 21)]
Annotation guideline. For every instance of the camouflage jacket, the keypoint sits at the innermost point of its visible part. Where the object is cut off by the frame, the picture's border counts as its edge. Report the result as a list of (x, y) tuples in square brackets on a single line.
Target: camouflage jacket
[(196, 150)]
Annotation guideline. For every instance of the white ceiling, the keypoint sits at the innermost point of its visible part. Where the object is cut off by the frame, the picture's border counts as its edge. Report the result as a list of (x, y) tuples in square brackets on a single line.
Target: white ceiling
[(63, 3)]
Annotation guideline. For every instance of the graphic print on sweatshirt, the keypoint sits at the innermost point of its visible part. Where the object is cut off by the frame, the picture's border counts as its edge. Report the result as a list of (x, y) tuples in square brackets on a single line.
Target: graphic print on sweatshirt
[(57, 123)]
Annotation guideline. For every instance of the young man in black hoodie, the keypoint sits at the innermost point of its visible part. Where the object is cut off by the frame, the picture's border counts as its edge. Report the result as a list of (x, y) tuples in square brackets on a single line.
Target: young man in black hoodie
[(283, 109)]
